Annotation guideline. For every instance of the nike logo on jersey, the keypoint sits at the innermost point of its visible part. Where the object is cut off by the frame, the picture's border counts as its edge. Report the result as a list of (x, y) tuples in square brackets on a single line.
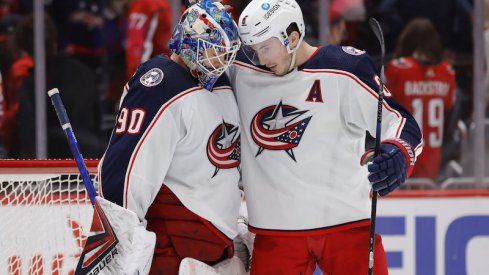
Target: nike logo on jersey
[(223, 147), (279, 127)]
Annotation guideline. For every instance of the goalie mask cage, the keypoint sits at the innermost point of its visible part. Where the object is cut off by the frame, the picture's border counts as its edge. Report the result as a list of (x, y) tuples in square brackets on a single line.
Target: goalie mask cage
[(45, 215)]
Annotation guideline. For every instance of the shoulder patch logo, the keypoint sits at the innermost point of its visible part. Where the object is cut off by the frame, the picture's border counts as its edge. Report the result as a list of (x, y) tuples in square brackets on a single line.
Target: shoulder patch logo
[(152, 78), (352, 50)]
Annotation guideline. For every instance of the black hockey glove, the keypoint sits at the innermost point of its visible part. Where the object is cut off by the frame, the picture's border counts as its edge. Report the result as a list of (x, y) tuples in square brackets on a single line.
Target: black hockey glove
[(391, 167)]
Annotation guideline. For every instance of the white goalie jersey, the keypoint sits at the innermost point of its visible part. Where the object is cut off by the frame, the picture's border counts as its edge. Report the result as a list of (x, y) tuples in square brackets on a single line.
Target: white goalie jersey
[(171, 132), (303, 135)]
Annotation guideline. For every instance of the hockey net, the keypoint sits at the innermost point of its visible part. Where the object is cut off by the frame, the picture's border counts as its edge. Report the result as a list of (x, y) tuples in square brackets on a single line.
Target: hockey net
[(45, 216)]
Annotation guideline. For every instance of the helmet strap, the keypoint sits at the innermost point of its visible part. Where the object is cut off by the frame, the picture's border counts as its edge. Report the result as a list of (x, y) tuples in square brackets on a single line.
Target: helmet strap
[(292, 62)]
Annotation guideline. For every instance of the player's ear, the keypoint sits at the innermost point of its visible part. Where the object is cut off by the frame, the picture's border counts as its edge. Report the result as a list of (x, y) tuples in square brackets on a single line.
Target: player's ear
[(294, 38)]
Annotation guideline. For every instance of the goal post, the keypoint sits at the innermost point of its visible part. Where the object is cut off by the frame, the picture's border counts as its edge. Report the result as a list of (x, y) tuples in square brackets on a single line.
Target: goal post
[(46, 215)]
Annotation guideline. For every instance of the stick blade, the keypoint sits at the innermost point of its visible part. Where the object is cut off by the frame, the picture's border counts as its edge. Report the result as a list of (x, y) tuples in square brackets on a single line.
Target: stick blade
[(375, 26)]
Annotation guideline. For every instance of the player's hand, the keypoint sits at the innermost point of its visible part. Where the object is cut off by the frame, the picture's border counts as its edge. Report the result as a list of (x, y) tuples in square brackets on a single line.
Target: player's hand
[(243, 243), (389, 169)]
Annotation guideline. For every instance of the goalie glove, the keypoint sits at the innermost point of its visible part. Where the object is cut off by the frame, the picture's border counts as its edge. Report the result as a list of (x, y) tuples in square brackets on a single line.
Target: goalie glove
[(243, 243), (391, 167)]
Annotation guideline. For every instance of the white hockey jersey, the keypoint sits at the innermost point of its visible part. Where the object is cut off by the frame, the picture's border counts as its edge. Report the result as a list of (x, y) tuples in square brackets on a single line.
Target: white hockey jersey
[(303, 135), (169, 131)]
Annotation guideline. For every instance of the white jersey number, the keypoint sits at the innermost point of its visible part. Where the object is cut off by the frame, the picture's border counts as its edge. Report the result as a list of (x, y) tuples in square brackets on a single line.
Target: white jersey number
[(435, 118), (130, 121), (137, 20)]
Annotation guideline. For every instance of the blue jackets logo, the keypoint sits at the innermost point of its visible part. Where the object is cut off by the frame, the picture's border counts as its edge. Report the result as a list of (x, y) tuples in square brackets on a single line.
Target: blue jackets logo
[(279, 127), (223, 147), (351, 50), (152, 78)]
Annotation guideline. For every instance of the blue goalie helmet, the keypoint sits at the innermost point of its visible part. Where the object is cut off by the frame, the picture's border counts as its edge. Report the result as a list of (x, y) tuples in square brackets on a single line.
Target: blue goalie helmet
[(207, 40)]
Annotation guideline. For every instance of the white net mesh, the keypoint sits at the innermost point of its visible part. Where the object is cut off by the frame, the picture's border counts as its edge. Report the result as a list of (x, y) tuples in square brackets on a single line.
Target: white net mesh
[(45, 217)]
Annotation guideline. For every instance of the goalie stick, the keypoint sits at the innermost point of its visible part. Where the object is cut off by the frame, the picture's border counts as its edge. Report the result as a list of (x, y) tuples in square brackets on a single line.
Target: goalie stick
[(104, 252), (375, 26)]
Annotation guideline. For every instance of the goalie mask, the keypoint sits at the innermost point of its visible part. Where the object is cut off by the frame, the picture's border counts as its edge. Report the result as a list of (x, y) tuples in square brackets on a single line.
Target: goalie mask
[(266, 21), (207, 40)]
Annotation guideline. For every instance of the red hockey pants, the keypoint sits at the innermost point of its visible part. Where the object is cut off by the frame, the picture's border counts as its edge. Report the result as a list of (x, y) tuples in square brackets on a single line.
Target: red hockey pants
[(180, 233), (339, 253)]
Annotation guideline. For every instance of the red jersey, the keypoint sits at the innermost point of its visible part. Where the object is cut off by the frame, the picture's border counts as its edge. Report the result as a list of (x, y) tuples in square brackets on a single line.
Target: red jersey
[(148, 31), (427, 92), (16, 76), (2, 102)]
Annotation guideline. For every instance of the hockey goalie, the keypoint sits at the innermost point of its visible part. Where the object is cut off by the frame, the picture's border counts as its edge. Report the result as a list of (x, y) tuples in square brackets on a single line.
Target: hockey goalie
[(173, 158)]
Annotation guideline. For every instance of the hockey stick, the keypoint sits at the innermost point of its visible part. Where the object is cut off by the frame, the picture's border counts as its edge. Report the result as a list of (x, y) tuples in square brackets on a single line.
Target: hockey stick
[(375, 26), (104, 252), (66, 125)]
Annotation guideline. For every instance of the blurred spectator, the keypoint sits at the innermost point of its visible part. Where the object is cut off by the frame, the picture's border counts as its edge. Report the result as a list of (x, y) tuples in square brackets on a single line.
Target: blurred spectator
[(8, 52), (310, 13), (18, 65), (425, 85), (486, 48), (114, 31), (237, 7), (3, 151), (148, 32), (7, 7), (340, 12), (337, 28), (451, 18), (80, 24), (77, 85)]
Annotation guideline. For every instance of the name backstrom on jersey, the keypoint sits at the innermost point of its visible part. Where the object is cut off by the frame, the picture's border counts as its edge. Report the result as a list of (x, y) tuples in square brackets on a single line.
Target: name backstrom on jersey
[(426, 88)]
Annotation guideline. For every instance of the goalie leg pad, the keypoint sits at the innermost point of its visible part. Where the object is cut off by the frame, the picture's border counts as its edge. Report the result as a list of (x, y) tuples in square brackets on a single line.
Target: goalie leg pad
[(230, 266), (134, 245), (233, 266)]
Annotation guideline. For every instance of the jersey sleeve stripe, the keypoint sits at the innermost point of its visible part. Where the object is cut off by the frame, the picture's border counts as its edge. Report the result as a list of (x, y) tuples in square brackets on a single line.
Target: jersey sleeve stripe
[(221, 88), (150, 127), (400, 127), (419, 149)]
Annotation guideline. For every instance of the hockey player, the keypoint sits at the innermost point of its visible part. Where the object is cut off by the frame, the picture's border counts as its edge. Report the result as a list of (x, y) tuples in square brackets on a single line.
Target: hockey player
[(148, 31), (425, 85), (305, 111), (174, 154)]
